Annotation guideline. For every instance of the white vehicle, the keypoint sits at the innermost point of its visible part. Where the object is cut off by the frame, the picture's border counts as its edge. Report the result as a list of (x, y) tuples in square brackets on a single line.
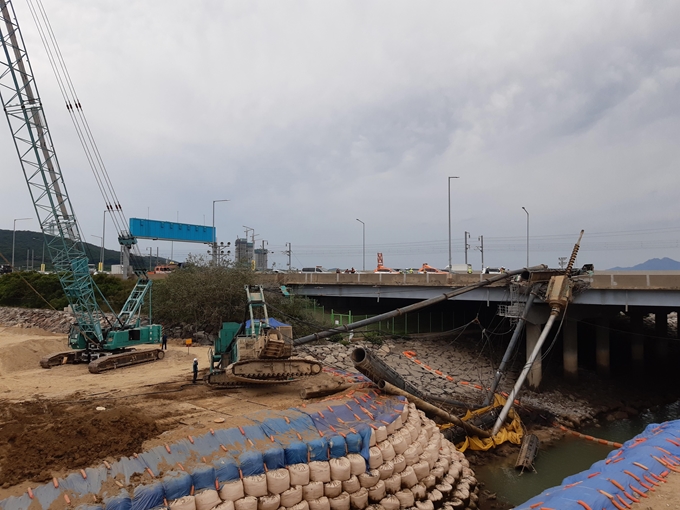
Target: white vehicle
[(493, 270), (460, 268)]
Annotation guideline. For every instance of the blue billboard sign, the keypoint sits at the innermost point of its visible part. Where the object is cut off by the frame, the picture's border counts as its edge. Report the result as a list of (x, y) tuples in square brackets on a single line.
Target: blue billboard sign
[(170, 231)]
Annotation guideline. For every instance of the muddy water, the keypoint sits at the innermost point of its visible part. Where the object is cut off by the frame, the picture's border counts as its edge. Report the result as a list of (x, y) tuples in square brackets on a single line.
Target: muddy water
[(565, 457)]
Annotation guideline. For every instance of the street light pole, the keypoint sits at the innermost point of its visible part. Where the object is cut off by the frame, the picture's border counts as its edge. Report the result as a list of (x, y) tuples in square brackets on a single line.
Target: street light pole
[(452, 177), (14, 233), (101, 253), (525, 210), (363, 229), (214, 240), (467, 236)]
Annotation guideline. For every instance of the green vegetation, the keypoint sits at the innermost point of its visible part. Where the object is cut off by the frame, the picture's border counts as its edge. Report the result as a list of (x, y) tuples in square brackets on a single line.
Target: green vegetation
[(30, 289), (205, 295)]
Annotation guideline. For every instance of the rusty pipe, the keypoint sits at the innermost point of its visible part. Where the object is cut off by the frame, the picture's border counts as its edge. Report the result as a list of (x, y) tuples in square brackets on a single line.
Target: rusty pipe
[(429, 408)]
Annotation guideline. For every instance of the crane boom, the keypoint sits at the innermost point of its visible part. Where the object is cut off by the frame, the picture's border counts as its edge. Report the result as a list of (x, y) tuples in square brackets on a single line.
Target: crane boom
[(96, 336), (26, 118)]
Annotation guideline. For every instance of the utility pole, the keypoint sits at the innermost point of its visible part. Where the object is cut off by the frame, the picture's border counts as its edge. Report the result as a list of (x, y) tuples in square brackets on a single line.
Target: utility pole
[(481, 249), (467, 246), (562, 261), (289, 252)]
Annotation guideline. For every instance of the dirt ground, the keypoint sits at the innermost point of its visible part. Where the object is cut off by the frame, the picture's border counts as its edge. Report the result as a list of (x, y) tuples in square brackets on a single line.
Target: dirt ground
[(50, 424)]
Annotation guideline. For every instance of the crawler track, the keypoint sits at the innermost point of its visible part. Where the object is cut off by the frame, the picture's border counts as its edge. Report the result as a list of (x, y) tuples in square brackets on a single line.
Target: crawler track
[(125, 359), (265, 371)]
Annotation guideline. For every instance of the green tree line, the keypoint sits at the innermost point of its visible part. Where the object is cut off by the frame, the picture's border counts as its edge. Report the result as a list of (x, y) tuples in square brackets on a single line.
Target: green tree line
[(201, 295)]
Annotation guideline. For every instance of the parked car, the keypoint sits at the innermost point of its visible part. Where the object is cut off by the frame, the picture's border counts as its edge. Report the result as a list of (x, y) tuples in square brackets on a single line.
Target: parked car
[(317, 269), (493, 270)]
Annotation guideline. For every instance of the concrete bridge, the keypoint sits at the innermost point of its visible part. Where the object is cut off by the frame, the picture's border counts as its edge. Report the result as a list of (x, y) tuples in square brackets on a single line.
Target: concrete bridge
[(601, 296)]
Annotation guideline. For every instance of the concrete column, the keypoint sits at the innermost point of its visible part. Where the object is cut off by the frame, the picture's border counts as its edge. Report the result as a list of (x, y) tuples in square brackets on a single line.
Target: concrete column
[(533, 332), (570, 349), (661, 345), (602, 346), (637, 342)]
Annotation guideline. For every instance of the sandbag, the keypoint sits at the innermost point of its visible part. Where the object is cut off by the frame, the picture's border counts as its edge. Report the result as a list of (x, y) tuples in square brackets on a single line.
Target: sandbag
[(183, 503), (375, 457), (352, 485), (299, 474), (247, 503), (386, 470), (292, 496), (435, 496), (429, 481), (411, 455), (422, 439), (313, 490), (225, 505), (422, 469), (319, 504), (269, 502), (390, 503), (404, 414), (341, 469), (419, 491), (387, 450), (405, 497), (357, 463), (399, 463), (359, 500), (398, 423), (408, 477), (391, 426), (399, 443), (413, 432), (278, 481), (340, 502), (332, 489), (231, 491), (255, 485), (444, 488), (177, 484), (424, 505), (369, 479), (437, 472), (443, 463), (320, 471), (381, 434), (372, 440), (302, 505), (393, 484), (207, 499), (377, 492)]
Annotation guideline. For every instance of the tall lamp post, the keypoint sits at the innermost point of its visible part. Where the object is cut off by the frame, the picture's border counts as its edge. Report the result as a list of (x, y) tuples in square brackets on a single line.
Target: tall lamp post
[(214, 240), (14, 234), (525, 210), (363, 229), (452, 177), (101, 253)]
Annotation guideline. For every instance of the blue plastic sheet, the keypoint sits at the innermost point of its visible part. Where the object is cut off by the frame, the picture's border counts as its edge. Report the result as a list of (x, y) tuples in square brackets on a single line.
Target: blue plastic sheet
[(226, 469), (279, 438), (121, 501), (204, 477), (275, 458), (639, 464), (147, 496), (177, 484)]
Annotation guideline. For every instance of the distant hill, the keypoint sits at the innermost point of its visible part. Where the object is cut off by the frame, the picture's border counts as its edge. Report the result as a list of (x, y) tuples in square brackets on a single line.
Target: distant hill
[(664, 264), (30, 245)]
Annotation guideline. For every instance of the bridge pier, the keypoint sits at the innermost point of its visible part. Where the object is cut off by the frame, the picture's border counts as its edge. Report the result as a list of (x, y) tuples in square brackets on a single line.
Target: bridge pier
[(637, 342), (602, 353), (533, 332), (661, 344), (570, 348)]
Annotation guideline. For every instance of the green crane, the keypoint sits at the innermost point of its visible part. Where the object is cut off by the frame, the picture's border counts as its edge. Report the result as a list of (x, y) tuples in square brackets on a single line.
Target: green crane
[(104, 340)]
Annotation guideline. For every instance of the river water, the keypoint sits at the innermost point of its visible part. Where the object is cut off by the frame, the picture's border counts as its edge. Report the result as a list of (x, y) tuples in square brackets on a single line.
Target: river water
[(565, 457)]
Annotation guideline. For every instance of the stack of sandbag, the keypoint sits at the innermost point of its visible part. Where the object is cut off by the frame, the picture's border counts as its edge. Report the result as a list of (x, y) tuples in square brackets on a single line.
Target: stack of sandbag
[(410, 466)]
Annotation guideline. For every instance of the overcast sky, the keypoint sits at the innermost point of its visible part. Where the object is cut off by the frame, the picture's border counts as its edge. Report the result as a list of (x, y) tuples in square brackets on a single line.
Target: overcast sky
[(308, 115)]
